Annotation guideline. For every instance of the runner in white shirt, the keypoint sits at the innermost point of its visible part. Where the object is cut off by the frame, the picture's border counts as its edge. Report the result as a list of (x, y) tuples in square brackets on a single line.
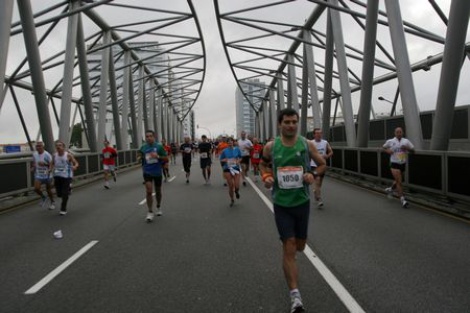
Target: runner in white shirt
[(41, 165), (324, 149), (63, 165), (245, 145), (398, 148)]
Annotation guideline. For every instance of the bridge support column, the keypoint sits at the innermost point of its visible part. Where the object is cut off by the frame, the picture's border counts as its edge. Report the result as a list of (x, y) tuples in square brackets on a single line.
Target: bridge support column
[(304, 107), (280, 92), (136, 141), (103, 105), (454, 53), (166, 135), (347, 108), (6, 14), (65, 108), (292, 96), (86, 90), (273, 115), (140, 104), (159, 115), (367, 73), (328, 80), (37, 77), (114, 102), (125, 100), (312, 78), (405, 79), (151, 107)]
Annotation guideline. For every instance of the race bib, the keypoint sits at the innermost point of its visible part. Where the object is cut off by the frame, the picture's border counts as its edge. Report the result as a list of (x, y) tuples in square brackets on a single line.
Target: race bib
[(42, 171), (150, 159), (187, 149), (290, 177), (401, 156), (231, 162), (255, 155), (107, 155), (60, 170), (203, 155)]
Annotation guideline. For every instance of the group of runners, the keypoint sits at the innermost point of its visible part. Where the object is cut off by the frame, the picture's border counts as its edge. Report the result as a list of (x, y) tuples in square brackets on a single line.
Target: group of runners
[(288, 165)]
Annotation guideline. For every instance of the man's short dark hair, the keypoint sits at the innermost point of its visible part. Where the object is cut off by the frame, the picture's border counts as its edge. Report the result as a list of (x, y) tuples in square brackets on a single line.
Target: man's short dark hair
[(150, 131), (286, 112), (315, 130)]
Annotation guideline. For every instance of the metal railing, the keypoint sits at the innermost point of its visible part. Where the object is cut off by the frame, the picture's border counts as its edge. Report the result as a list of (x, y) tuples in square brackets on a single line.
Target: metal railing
[(16, 176), (435, 173)]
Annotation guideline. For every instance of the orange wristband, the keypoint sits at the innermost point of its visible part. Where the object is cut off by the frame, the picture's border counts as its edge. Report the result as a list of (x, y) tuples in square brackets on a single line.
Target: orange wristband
[(265, 176)]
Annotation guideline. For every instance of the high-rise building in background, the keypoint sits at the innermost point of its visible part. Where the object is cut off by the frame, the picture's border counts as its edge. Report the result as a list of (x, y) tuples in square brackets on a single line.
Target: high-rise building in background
[(245, 114)]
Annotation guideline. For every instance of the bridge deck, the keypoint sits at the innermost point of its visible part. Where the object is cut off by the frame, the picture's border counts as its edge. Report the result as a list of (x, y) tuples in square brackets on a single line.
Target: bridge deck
[(203, 256)]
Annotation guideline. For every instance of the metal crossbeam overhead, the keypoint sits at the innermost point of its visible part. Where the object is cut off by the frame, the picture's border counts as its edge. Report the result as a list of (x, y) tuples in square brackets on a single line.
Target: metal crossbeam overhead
[(171, 64), (269, 46)]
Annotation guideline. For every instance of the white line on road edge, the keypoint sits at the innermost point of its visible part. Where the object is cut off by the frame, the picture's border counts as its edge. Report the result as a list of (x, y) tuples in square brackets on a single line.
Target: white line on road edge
[(145, 200), (348, 300), (60, 269)]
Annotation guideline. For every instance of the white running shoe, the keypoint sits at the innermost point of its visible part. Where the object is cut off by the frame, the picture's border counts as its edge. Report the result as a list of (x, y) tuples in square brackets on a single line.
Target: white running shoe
[(388, 190), (296, 304), (62, 212), (159, 212), (404, 203), (52, 206), (149, 217), (320, 204)]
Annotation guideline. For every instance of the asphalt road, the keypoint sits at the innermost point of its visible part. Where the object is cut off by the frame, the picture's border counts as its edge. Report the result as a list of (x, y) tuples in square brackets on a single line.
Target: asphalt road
[(204, 256)]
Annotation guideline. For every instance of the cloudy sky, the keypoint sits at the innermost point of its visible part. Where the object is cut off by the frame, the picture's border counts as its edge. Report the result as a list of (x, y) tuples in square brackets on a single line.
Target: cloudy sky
[(215, 108)]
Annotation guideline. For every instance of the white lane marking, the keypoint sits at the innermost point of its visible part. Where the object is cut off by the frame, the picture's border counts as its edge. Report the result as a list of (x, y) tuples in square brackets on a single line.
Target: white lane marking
[(145, 200), (345, 297), (49, 277)]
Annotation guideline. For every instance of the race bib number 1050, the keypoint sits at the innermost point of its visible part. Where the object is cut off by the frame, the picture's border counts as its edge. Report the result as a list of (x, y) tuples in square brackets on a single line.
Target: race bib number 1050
[(290, 177)]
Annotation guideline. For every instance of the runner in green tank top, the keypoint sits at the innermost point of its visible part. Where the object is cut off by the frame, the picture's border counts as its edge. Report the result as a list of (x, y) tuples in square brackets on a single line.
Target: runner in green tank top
[(285, 168)]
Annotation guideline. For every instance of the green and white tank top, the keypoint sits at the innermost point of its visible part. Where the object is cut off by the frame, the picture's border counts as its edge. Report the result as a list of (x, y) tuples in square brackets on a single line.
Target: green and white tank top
[(289, 165)]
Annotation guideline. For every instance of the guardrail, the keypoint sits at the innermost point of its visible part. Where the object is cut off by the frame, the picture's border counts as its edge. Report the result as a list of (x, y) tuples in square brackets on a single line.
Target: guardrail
[(444, 174), (16, 176)]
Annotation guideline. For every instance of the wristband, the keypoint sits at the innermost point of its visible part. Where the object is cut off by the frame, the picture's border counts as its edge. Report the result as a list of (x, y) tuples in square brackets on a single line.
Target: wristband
[(265, 176)]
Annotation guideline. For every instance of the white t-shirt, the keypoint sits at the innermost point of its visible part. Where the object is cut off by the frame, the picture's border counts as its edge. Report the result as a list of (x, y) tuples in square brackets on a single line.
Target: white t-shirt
[(399, 154), (245, 145), (322, 148), (41, 171)]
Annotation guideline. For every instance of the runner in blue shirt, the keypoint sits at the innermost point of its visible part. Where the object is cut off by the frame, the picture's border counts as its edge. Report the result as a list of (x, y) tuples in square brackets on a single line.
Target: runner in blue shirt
[(153, 156), (231, 157)]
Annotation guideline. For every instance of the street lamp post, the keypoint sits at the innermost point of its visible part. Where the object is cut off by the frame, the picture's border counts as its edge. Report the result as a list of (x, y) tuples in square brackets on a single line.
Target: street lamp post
[(210, 135), (394, 104)]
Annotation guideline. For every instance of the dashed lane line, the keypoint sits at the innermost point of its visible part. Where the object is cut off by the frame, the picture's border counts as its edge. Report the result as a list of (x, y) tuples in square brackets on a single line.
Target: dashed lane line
[(49, 277)]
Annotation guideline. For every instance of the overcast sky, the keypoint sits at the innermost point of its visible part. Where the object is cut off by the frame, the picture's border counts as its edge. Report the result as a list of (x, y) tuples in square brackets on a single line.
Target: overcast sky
[(215, 108)]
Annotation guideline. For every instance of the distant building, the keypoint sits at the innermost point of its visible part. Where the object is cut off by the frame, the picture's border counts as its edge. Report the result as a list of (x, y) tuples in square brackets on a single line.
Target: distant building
[(245, 115)]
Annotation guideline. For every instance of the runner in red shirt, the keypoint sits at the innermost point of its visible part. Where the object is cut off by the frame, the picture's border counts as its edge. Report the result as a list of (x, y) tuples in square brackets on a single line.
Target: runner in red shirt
[(166, 166), (255, 155), (108, 155)]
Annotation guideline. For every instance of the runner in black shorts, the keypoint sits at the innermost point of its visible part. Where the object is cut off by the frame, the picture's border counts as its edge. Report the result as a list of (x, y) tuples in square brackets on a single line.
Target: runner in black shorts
[(205, 154), (186, 150)]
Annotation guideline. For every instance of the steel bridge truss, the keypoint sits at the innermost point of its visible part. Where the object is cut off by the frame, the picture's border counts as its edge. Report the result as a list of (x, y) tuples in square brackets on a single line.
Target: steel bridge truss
[(121, 66), (309, 65)]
